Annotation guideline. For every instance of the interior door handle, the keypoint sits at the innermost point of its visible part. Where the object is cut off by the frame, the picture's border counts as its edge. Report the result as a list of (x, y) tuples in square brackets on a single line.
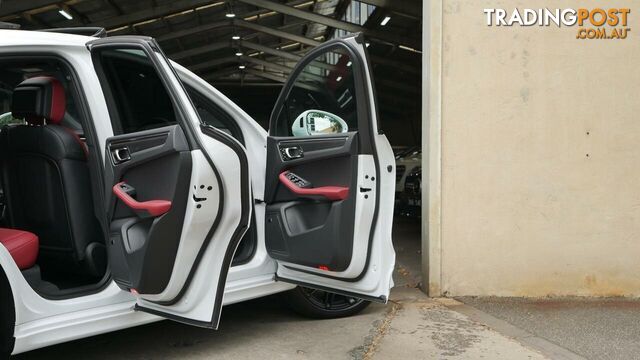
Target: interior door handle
[(120, 155), (144, 209), (292, 152)]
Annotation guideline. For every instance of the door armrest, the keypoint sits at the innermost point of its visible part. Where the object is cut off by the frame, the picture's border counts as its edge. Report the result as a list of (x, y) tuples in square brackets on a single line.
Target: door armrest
[(150, 208), (333, 193)]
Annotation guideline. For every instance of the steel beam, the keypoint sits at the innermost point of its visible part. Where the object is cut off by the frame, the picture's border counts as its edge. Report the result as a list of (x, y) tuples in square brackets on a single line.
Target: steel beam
[(267, 64), (220, 73), (207, 27), (213, 63), (265, 75), (268, 50), (200, 50), (390, 37), (275, 32), (150, 14), (34, 20), (194, 30)]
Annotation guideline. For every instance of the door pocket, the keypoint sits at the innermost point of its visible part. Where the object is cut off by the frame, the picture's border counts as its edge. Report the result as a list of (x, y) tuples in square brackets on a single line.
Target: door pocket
[(309, 233)]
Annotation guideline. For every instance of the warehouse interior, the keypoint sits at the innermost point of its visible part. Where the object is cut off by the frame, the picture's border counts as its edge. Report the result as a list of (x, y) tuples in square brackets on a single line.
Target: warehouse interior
[(247, 48)]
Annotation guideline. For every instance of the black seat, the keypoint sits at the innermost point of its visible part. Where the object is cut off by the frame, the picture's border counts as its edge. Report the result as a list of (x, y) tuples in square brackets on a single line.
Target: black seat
[(46, 180)]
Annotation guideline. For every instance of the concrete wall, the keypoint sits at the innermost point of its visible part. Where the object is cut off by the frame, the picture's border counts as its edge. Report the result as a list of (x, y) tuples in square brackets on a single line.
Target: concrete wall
[(540, 163)]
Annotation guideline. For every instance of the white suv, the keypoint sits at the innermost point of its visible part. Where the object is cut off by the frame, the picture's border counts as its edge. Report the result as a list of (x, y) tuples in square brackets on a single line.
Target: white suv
[(132, 190)]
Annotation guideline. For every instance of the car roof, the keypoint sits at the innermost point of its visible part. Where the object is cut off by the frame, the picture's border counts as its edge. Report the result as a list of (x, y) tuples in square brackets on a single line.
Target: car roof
[(31, 38)]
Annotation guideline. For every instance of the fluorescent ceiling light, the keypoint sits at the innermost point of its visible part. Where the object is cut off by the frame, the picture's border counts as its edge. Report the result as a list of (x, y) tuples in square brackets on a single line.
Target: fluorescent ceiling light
[(241, 67), (230, 15), (235, 37), (409, 49), (239, 53), (385, 21), (339, 78), (349, 63), (65, 14)]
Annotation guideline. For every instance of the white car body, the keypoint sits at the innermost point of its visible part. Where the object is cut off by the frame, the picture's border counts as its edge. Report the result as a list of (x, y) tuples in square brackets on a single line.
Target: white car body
[(404, 166), (41, 322)]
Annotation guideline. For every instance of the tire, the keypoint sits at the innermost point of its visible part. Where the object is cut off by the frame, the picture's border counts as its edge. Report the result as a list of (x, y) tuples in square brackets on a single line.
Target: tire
[(7, 317), (320, 304)]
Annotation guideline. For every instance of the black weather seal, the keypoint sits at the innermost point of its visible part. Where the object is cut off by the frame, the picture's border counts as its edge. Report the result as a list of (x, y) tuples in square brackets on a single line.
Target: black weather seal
[(241, 229), (94, 31)]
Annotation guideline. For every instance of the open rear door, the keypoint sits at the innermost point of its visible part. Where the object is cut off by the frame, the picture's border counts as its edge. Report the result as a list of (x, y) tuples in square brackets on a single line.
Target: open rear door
[(177, 193), (330, 177)]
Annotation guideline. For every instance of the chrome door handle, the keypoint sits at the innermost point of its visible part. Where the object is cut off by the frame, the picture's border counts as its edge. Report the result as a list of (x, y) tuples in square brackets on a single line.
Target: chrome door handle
[(120, 155), (292, 152)]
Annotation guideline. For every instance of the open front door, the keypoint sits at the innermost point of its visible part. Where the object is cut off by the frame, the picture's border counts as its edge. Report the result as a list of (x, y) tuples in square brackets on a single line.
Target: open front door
[(177, 193), (330, 177)]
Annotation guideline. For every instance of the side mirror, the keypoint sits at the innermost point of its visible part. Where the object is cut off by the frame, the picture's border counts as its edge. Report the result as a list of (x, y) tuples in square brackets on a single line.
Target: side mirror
[(318, 122)]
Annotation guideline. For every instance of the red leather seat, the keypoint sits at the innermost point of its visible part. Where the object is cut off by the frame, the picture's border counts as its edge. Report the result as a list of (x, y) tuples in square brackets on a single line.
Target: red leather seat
[(22, 245)]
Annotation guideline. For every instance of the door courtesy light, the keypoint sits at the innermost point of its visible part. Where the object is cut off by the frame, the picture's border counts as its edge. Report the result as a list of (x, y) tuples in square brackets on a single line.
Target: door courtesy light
[(323, 268)]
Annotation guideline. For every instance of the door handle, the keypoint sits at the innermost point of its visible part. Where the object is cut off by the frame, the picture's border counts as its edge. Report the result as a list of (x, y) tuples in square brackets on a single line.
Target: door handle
[(292, 152), (120, 155)]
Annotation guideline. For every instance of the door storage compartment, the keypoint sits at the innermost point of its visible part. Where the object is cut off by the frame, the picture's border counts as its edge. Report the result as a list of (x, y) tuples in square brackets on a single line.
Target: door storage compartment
[(309, 233)]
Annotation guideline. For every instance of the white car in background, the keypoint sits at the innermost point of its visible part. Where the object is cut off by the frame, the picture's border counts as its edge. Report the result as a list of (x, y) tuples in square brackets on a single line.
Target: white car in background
[(406, 162), (134, 191)]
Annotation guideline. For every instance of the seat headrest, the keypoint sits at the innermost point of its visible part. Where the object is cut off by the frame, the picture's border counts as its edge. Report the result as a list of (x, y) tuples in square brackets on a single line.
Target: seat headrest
[(38, 100)]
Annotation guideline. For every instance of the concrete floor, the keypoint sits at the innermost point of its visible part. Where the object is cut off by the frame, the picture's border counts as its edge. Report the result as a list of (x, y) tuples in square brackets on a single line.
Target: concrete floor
[(592, 328), (410, 326)]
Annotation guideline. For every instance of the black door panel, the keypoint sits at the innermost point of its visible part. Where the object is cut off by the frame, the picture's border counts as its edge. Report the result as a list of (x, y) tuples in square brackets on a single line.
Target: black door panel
[(337, 152), (314, 232), (142, 250)]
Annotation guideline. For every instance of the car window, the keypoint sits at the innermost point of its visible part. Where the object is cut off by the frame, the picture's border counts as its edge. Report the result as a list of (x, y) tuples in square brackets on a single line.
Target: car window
[(322, 99), (138, 98)]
